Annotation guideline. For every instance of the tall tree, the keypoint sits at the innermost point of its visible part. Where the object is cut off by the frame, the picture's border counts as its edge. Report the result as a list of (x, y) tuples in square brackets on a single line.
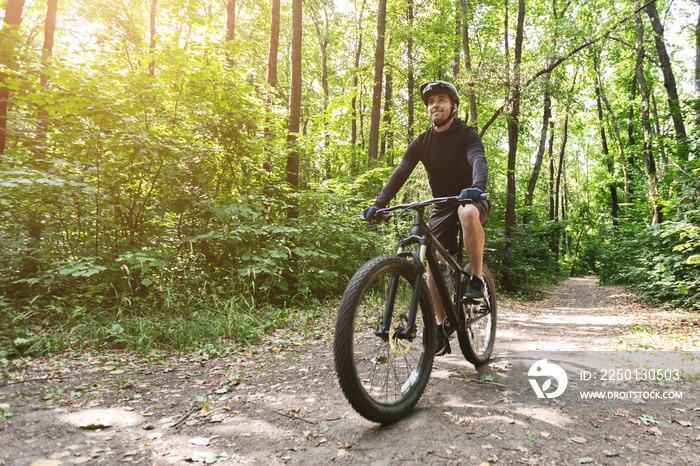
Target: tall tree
[(294, 101), (609, 160), (669, 82), (46, 56), (273, 49), (471, 113), (646, 124), (546, 115), (230, 31), (562, 153), (616, 132), (356, 86), (373, 148), (8, 37), (551, 170), (272, 53), (456, 52), (411, 79), (513, 130), (323, 34), (697, 71), (387, 135)]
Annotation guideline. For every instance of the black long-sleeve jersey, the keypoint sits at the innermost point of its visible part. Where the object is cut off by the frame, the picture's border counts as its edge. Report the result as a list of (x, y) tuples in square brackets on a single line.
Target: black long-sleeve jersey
[(454, 160)]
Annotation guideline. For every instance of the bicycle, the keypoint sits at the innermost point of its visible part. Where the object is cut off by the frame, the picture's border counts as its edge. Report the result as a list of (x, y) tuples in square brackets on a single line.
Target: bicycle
[(384, 347)]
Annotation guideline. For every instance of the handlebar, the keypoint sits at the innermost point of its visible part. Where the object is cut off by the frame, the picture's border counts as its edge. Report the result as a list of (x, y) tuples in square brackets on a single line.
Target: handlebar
[(427, 202)]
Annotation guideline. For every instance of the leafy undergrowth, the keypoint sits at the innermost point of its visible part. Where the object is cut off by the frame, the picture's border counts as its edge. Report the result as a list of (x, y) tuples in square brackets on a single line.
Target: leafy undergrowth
[(214, 330)]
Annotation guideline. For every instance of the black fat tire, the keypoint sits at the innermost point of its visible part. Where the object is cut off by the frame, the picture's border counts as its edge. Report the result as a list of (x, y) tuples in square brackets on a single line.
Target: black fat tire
[(477, 341), (380, 383)]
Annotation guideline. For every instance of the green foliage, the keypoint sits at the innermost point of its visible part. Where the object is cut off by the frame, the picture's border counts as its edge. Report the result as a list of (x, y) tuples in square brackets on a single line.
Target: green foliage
[(662, 261), (532, 263)]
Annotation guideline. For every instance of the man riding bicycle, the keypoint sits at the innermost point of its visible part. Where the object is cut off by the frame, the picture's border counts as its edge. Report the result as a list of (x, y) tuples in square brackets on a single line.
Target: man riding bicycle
[(453, 155)]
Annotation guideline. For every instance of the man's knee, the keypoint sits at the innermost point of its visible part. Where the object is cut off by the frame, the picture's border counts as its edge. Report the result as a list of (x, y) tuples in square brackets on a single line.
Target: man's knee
[(469, 215)]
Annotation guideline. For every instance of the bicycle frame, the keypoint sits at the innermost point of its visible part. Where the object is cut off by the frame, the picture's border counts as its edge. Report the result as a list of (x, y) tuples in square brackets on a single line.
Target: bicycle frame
[(429, 247)]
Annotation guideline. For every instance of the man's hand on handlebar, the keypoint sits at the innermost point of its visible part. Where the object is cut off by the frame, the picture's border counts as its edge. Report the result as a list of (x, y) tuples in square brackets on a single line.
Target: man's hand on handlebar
[(472, 194), (369, 212)]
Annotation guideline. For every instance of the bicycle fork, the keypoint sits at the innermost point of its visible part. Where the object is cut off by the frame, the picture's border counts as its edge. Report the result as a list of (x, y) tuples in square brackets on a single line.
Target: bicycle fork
[(409, 332)]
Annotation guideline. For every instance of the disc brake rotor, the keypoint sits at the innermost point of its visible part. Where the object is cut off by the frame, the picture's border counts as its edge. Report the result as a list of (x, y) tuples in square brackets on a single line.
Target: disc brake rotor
[(399, 346)]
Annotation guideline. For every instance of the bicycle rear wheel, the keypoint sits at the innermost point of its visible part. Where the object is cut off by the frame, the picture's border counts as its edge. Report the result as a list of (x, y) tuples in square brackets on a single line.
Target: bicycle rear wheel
[(383, 377), (476, 341)]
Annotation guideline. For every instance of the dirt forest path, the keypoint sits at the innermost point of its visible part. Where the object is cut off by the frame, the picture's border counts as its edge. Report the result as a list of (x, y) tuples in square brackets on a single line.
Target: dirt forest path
[(281, 404)]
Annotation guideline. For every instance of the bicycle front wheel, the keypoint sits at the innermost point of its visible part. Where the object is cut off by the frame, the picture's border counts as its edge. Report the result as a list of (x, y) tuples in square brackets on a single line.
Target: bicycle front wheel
[(476, 341), (383, 374)]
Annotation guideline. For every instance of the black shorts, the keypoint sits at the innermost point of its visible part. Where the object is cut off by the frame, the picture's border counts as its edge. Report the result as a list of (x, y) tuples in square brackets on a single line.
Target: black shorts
[(444, 223)]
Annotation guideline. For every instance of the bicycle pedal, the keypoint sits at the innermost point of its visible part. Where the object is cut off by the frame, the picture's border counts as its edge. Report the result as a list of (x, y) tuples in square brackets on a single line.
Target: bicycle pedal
[(472, 300)]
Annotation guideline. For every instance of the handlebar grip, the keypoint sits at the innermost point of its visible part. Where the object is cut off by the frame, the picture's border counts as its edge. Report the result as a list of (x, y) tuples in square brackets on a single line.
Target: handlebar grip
[(483, 196)]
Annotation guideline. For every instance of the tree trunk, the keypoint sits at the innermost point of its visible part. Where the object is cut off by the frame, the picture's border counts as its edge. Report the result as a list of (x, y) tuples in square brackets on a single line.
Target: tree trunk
[(323, 36), (152, 47), (513, 129), (618, 137), (562, 152), (546, 115), (456, 51), (356, 89), (697, 72), (294, 102), (13, 18), (471, 113), (230, 31), (631, 112), (46, 57), (551, 171), (610, 161), (274, 45), (271, 76), (387, 135), (646, 124), (411, 81), (657, 126), (565, 237), (372, 150), (669, 82)]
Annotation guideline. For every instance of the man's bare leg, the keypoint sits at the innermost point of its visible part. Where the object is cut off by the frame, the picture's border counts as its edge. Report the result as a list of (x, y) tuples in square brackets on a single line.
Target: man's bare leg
[(440, 313), (474, 237)]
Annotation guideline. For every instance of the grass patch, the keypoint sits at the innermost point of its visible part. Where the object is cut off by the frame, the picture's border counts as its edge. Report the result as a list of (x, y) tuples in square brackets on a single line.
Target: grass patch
[(208, 325)]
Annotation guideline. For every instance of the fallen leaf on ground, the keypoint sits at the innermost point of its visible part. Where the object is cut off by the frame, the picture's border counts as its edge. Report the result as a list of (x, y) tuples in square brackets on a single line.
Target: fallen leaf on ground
[(578, 439)]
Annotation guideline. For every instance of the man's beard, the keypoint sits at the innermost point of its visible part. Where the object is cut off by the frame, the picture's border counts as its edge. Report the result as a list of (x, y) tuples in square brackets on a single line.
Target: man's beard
[(444, 121)]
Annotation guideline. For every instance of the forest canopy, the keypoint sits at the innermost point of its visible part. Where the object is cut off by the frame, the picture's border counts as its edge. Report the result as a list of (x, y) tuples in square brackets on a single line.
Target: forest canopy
[(191, 159)]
